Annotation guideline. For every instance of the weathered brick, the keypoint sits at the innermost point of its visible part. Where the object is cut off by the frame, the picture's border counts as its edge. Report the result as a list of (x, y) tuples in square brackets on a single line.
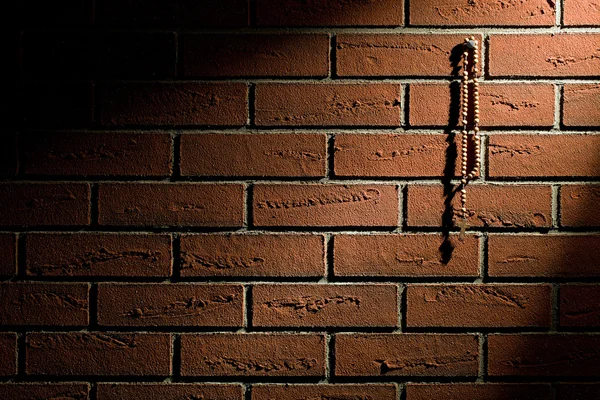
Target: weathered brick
[(173, 103), (395, 155), (98, 354), (579, 305), (406, 354), (51, 304), (171, 391), (308, 104), (97, 255), (582, 13), (252, 256), (56, 104), (543, 155), (515, 104), (514, 206), (316, 205), (478, 391), (399, 55), (405, 255), (48, 391), (544, 55), (488, 306), (483, 13), (171, 204), (555, 256), (44, 204), (170, 305), (551, 355), (329, 13), (579, 391), (262, 155), (324, 391), (246, 355), (8, 354), (578, 205), (8, 254), (581, 105), (318, 305), (261, 55), (97, 154)]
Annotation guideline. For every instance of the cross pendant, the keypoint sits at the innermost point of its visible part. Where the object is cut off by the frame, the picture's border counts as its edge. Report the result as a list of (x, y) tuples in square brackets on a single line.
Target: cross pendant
[(463, 227)]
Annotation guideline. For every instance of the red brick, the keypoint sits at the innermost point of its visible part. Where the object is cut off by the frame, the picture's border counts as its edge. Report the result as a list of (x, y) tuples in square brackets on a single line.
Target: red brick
[(97, 255), (398, 55), (324, 391), (48, 391), (581, 12), (44, 204), (478, 391), (52, 304), (527, 105), (404, 255), (579, 305), (8, 254), (40, 13), (261, 55), (57, 104), (8, 354), (406, 354), (556, 256), (543, 155), (506, 206), (317, 305), (171, 391), (316, 205), (252, 256), (308, 104), (171, 204), (98, 354), (487, 306), (179, 13), (544, 55), (98, 154), (9, 154), (170, 305), (262, 155), (578, 205), (329, 13), (173, 103), (246, 355), (581, 105), (393, 155), (484, 13), (550, 355), (579, 391)]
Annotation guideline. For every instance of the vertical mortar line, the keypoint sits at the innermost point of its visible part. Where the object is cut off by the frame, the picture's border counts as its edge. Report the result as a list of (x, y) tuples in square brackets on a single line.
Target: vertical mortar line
[(483, 168), (330, 342), (555, 307), (332, 73), (94, 205), (559, 13), (248, 195), (402, 292), (404, 105), (247, 391), (560, 107), (406, 13), (330, 154), (401, 387), (402, 207), (483, 250), (175, 258), (251, 105), (557, 92), (485, 56), (20, 356), (481, 376), (175, 357), (93, 390), (329, 261), (247, 317), (555, 206), (327, 358), (175, 156)]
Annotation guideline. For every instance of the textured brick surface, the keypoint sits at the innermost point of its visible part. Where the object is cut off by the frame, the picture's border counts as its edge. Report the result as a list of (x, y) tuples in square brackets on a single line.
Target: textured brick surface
[(404, 255), (170, 204), (99, 154), (477, 391), (98, 354), (97, 255), (28, 391), (406, 355), (581, 105), (581, 13), (170, 305), (543, 256), (318, 205), (255, 55), (8, 351), (579, 305), (177, 391), (517, 206), (253, 355), (324, 305), (294, 392), (551, 355), (577, 205), (8, 255), (303, 104), (277, 155), (478, 305)]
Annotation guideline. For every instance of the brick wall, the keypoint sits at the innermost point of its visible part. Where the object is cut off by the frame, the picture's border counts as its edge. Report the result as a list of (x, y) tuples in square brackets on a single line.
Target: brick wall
[(211, 199)]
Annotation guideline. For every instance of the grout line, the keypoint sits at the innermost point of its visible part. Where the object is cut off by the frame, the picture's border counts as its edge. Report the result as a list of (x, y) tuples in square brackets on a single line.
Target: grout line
[(555, 206), (557, 105), (555, 307), (251, 106), (332, 70), (483, 357), (402, 293)]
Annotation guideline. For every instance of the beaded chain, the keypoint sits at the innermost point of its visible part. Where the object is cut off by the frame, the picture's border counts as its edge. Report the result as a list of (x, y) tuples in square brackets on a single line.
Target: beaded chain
[(470, 44)]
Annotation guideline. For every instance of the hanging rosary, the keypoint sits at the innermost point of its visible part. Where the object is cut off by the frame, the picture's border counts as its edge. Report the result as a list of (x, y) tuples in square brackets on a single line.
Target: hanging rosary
[(470, 44)]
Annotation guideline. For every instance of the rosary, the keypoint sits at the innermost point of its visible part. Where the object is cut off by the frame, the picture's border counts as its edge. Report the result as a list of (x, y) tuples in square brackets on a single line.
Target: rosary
[(470, 44)]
